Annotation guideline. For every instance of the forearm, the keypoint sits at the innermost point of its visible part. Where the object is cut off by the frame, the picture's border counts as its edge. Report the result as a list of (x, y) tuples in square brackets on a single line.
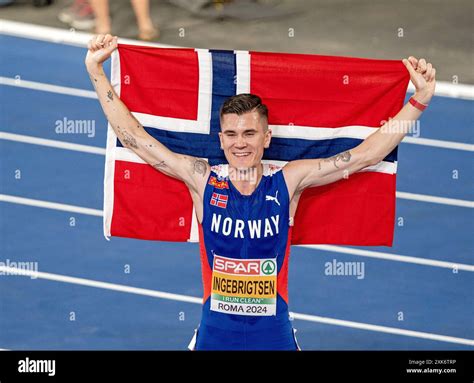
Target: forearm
[(379, 144), (129, 131), (125, 125)]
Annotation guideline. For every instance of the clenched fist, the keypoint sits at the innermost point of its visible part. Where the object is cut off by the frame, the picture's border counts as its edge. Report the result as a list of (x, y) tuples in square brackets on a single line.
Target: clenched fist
[(422, 75), (100, 48)]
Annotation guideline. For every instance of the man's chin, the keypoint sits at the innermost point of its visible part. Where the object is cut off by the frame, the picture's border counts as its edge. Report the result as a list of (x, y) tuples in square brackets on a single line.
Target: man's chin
[(242, 163)]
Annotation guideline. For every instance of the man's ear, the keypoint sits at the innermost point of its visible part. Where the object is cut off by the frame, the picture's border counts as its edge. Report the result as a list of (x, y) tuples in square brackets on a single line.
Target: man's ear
[(268, 138)]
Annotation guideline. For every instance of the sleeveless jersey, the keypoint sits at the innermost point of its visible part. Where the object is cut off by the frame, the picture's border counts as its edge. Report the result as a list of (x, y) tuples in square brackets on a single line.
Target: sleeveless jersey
[(244, 247)]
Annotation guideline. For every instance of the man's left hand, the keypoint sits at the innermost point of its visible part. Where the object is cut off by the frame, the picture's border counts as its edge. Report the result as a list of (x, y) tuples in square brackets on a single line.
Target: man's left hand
[(422, 75)]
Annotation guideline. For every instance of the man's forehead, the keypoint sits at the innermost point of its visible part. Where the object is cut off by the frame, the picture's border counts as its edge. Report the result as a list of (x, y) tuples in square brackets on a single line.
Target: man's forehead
[(243, 121)]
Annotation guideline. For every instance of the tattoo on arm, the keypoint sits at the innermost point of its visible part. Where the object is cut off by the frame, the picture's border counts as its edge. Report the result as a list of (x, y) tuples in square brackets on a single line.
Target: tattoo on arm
[(199, 166), (110, 95), (127, 139), (159, 165), (344, 157)]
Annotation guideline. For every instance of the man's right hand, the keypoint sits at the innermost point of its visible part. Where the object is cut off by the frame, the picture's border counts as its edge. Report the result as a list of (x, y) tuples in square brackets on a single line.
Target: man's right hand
[(100, 48)]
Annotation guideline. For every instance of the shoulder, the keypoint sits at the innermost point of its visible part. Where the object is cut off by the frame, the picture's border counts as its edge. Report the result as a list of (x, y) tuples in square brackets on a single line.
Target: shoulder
[(270, 169)]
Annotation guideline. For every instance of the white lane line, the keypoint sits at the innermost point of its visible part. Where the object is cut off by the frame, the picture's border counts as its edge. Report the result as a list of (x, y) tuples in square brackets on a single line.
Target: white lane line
[(331, 248), (52, 143), (391, 257), (434, 199), (389, 330), (448, 89), (7, 270), (438, 143), (71, 37), (59, 35), (189, 299), (47, 87), (50, 205)]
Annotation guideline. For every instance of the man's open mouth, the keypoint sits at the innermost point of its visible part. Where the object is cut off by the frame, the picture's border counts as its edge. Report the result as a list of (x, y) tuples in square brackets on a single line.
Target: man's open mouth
[(243, 154)]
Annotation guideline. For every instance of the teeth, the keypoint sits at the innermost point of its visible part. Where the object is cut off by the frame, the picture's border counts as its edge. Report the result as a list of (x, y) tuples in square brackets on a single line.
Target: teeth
[(241, 154)]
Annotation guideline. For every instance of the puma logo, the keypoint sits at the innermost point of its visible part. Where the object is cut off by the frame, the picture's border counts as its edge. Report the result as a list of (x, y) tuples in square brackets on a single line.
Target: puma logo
[(271, 198)]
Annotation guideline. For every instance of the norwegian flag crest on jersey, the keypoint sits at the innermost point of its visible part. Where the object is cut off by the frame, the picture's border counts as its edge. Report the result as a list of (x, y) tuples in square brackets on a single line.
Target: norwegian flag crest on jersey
[(318, 106)]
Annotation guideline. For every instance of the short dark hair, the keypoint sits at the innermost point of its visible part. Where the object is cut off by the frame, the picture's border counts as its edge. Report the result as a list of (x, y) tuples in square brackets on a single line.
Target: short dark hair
[(244, 103)]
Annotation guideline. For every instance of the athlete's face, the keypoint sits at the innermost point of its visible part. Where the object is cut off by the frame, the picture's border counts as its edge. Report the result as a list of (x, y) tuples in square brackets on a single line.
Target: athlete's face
[(243, 139)]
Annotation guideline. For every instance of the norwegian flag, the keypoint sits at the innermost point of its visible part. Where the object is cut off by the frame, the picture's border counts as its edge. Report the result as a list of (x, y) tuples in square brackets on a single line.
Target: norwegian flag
[(318, 106), (219, 200)]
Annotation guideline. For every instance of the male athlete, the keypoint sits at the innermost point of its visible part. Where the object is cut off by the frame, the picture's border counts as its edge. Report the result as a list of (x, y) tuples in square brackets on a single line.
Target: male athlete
[(245, 208)]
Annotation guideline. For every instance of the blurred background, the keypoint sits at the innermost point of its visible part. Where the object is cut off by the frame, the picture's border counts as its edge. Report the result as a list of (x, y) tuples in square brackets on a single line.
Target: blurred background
[(440, 30)]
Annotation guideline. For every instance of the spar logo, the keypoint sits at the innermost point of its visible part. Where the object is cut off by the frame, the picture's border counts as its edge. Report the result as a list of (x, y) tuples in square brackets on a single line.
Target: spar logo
[(236, 266), (268, 267), (243, 267)]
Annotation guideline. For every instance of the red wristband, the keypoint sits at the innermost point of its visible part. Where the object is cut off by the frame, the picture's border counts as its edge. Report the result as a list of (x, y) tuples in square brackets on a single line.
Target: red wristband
[(416, 104)]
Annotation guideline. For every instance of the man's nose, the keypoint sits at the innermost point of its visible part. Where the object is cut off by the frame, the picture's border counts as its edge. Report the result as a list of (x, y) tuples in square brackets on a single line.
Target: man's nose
[(240, 142)]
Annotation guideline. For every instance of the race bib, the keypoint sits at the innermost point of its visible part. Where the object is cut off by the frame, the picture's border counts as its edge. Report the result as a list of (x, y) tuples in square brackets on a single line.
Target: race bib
[(244, 286)]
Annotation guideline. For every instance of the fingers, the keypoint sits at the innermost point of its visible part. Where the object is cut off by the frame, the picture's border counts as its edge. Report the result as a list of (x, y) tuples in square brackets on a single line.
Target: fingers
[(107, 39), (98, 42), (94, 43), (421, 66), (427, 73), (111, 44), (413, 61), (102, 41), (409, 65)]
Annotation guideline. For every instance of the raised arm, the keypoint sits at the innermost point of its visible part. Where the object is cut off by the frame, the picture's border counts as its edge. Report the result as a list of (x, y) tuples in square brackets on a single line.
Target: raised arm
[(191, 170), (301, 174)]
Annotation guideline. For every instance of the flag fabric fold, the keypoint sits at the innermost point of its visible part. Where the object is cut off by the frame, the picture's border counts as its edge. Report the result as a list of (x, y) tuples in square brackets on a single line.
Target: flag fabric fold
[(318, 106)]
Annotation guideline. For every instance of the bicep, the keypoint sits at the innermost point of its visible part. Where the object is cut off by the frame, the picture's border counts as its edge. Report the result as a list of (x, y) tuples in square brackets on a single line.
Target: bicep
[(322, 171)]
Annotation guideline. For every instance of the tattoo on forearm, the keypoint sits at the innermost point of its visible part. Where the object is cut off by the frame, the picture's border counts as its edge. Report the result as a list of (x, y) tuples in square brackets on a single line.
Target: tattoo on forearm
[(159, 165), (110, 95), (127, 139), (199, 167), (344, 157)]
